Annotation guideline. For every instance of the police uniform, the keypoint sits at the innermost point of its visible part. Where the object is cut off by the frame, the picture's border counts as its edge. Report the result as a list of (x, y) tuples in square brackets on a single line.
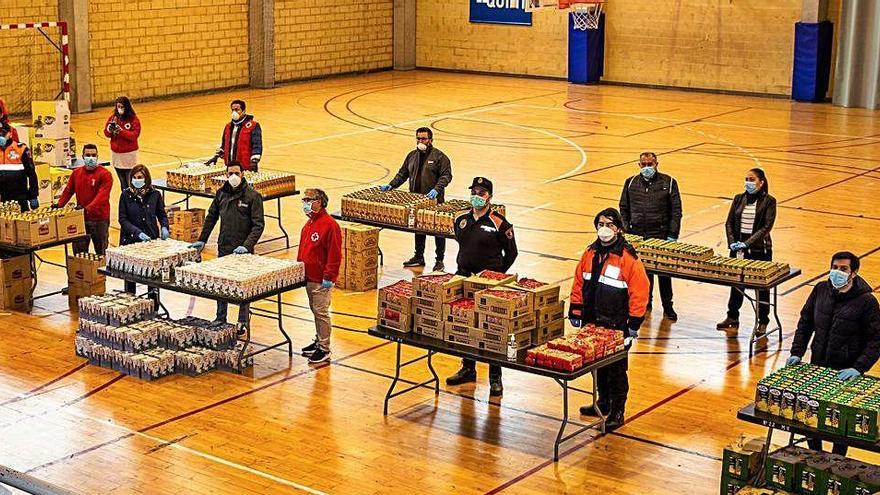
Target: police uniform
[(18, 177), (485, 243)]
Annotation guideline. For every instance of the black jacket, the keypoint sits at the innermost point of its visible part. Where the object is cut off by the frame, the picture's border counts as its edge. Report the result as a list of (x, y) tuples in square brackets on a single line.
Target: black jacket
[(486, 243), (651, 208), (765, 217), (19, 185), (140, 214), (436, 173), (240, 212), (845, 327)]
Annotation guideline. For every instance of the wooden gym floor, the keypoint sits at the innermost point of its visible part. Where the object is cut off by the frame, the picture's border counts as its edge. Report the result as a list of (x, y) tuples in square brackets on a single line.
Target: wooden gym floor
[(557, 153)]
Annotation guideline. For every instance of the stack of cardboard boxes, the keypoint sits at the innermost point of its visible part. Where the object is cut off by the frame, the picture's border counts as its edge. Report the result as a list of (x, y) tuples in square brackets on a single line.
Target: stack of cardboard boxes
[(433, 292), (504, 314), (549, 310), (42, 226), (359, 270), (396, 306), (83, 279), (51, 147), (16, 283), (185, 225)]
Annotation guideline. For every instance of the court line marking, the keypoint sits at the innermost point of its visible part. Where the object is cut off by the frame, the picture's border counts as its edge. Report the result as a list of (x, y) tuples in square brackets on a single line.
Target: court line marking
[(720, 124)]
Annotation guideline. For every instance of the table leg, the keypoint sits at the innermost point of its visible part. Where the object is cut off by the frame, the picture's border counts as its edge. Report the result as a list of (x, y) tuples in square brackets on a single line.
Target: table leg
[(280, 226), (247, 342), (776, 311), (564, 385), (755, 305), (434, 374), (281, 326), (390, 392), (602, 415)]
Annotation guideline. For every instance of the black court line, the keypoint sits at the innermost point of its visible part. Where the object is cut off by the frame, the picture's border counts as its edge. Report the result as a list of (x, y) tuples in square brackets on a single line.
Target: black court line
[(692, 121), (781, 161), (608, 167), (826, 186)]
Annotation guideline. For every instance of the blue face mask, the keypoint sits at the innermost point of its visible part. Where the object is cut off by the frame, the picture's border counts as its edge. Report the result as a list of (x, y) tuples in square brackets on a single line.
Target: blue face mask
[(838, 279), (138, 183), (648, 172), (3, 140), (477, 201), (751, 187), (307, 207), (90, 161)]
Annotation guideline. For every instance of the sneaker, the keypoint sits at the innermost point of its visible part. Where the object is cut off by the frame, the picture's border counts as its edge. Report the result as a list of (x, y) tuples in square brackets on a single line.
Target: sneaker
[(591, 410), (319, 356), (439, 266), (309, 349), (464, 375), (496, 389), (761, 330), (413, 262), (727, 323), (670, 314)]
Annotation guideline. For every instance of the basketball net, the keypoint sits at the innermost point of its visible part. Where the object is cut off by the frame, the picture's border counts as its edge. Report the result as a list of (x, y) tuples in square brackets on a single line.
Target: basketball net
[(584, 14)]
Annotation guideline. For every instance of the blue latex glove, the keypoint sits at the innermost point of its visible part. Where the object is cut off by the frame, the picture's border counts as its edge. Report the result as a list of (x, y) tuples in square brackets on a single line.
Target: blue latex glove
[(163, 233), (384, 188), (34, 203), (792, 360), (670, 238), (143, 237), (848, 374), (575, 322), (630, 339), (432, 194), (198, 245), (738, 246), (326, 284), (240, 250)]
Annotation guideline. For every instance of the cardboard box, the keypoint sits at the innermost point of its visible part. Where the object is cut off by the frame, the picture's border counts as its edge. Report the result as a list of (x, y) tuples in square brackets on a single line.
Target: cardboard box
[(35, 232), (447, 291), (496, 305), (460, 330), (783, 467), (44, 177), (405, 308), (545, 296), (862, 423), (393, 297), (813, 476), (70, 225), (833, 417), (55, 152), (361, 262), (548, 314), (467, 317), (502, 325), (742, 459), (361, 281), (8, 234), (428, 308), (474, 284), (423, 323), (359, 238), (24, 132), (545, 333), (468, 340), (59, 177), (396, 321), (84, 270), (497, 343), (15, 268), (84, 289), (50, 119), (17, 295), (730, 486), (429, 331)]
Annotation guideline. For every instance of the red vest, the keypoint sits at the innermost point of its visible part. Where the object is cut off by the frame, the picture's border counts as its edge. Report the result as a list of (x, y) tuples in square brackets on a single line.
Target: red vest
[(242, 143), (10, 159)]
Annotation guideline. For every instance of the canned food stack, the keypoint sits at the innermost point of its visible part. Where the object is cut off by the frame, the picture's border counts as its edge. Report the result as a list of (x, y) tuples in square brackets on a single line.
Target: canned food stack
[(431, 291), (186, 225), (41, 226), (9, 207), (813, 395), (193, 176), (151, 259), (241, 275), (486, 279), (359, 269), (549, 309), (267, 183), (396, 306), (147, 365), (572, 352), (16, 282), (440, 217), (391, 207), (83, 279)]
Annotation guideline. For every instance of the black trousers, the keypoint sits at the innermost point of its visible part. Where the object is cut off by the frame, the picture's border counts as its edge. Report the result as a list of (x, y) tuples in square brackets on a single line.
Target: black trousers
[(99, 235), (439, 244), (736, 297), (123, 174), (816, 444), (665, 290), (494, 371), (612, 383)]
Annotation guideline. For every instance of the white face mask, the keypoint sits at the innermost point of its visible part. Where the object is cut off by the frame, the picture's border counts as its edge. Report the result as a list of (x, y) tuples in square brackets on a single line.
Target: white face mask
[(421, 146), (234, 181), (605, 234), (235, 115), (120, 111)]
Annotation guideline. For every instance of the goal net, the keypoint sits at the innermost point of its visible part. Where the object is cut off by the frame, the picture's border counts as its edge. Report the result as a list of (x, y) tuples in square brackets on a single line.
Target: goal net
[(37, 70)]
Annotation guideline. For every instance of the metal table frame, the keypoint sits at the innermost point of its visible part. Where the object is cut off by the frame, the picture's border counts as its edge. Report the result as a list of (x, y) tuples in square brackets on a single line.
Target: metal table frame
[(31, 251), (161, 185), (274, 296), (436, 346), (400, 228), (741, 287)]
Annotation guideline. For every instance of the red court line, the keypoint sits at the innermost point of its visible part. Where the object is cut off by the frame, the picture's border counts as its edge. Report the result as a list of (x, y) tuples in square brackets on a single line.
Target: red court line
[(94, 391), (41, 387), (201, 409)]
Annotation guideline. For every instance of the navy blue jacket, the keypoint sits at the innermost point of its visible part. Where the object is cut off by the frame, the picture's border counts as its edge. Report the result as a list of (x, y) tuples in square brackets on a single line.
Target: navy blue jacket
[(138, 215)]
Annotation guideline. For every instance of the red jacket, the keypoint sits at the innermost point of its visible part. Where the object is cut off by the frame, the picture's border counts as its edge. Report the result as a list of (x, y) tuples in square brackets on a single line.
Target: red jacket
[(320, 248), (248, 143), (92, 189), (127, 139)]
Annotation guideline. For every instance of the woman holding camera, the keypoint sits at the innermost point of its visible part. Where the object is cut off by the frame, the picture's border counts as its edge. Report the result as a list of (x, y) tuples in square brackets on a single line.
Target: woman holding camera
[(123, 129)]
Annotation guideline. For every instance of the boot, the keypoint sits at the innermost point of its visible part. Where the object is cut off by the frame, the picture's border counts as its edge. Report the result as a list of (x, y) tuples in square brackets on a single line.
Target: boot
[(439, 266), (728, 323), (615, 420), (761, 330), (591, 410), (464, 375), (496, 389), (670, 314)]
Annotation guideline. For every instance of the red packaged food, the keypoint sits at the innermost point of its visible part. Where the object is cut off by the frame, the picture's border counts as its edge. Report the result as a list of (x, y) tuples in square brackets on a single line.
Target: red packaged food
[(529, 283), (493, 275)]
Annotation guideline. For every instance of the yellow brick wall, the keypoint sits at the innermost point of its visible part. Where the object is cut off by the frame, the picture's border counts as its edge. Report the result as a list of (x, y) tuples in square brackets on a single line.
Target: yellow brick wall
[(741, 45), (446, 39), (37, 74), (154, 48), (317, 38)]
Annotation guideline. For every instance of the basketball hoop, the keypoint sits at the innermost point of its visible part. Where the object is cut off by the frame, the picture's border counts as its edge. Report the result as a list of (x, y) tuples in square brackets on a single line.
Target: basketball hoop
[(585, 14)]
